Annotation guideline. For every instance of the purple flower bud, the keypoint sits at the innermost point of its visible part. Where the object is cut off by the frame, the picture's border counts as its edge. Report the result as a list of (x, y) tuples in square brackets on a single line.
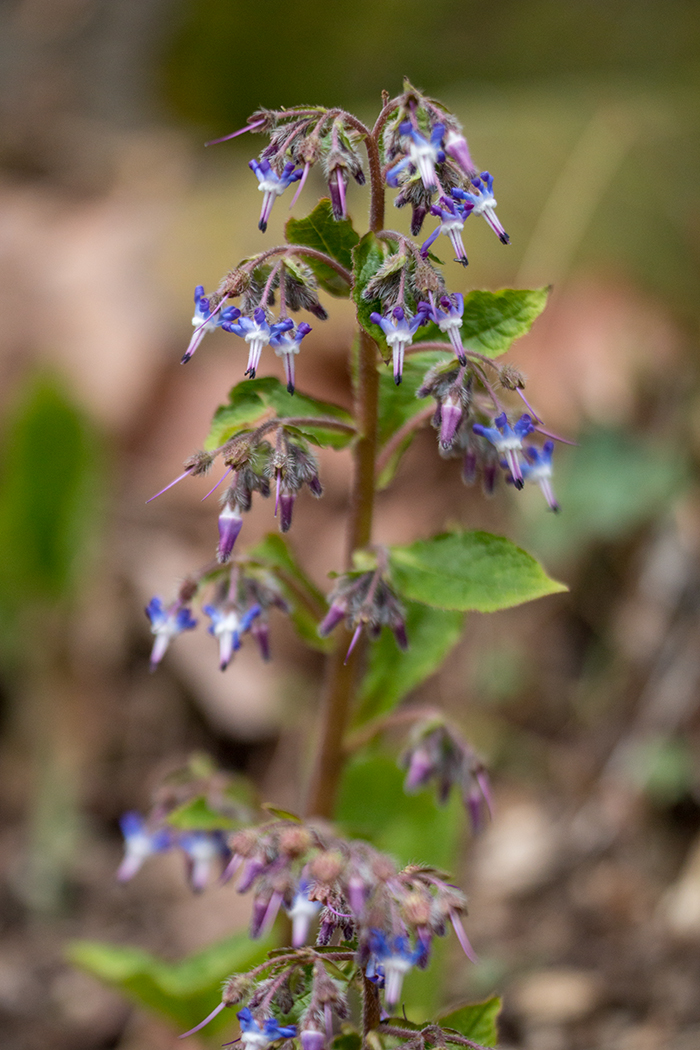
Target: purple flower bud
[(230, 524), (335, 614), (261, 633), (286, 507), (420, 770), (312, 1039), (356, 895), (450, 418)]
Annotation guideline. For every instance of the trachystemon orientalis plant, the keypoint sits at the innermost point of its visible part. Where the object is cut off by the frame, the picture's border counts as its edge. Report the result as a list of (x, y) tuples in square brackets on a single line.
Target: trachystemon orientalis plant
[(425, 352)]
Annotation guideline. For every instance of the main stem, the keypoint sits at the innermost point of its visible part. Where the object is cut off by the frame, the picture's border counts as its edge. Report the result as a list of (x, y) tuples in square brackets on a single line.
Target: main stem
[(340, 675)]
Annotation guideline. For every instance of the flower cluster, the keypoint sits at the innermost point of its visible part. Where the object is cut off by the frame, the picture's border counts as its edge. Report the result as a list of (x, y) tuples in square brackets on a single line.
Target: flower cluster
[(365, 601), (203, 850)]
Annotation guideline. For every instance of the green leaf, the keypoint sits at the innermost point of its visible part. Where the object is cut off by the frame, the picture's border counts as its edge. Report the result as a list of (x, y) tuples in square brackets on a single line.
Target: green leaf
[(469, 571), (367, 257), (253, 400), (183, 992), (492, 321), (398, 404), (336, 238), (307, 603), (391, 674), (199, 815), (476, 1021), (281, 814)]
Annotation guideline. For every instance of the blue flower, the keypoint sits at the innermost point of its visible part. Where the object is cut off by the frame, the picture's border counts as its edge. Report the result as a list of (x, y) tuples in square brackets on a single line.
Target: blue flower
[(228, 624), (399, 333), (256, 332), (539, 469), (391, 960), (166, 624), (139, 843), (202, 849), (253, 1035), (484, 203), (508, 441), (449, 320), (301, 912), (286, 343), (423, 154), (207, 320), (453, 214), (272, 184)]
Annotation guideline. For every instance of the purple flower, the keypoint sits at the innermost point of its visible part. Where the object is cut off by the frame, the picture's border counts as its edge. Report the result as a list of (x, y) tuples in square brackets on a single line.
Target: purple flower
[(457, 148), (202, 849), (166, 624), (392, 959), (207, 320), (423, 154), (484, 203), (228, 624), (336, 189), (257, 1037), (139, 843), (399, 333), (539, 470), (453, 214), (230, 523), (301, 912), (449, 320), (508, 441), (256, 332), (286, 343), (272, 184)]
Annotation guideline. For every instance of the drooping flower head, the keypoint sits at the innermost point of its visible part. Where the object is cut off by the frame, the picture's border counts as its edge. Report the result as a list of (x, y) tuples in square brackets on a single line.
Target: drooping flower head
[(508, 440), (286, 343), (256, 332), (259, 1037), (206, 319), (453, 214), (302, 911), (448, 317), (399, 332), (139, 844), (484, 203), (422, 153), (539, 470), (228, 623), (390, 960), (166, 624), (271, 185)]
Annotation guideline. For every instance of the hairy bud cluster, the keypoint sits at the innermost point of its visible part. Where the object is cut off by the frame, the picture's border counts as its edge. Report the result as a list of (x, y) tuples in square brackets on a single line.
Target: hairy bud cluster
[(365, 600)]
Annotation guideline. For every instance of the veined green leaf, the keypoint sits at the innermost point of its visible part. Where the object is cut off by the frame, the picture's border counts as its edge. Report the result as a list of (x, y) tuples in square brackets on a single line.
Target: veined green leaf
[(469, 571), (492, 321), (336, 238), (476, 1021)]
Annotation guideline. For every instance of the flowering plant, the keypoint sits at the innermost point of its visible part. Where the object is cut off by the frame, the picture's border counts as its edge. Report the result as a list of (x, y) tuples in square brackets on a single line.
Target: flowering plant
[(373, 921)]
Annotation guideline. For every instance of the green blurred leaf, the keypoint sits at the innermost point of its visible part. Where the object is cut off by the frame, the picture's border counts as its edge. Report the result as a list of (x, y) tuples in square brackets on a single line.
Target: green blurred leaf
[(476, 1021), (398, 404), (391, 673), (48, 496), (199, 815), (493, 320), (249, 405), (281, 814), (307, 603), (336, 238), (367, 257), (348, 1041), (469, 570), (183, 992)]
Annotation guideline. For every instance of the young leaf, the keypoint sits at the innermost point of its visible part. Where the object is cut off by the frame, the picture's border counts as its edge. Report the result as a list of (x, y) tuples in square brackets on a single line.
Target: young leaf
[(391, 674), (254, 400), (198, 815), (492, 321), (336, 238), (367, 257), (469, 571), (476, 1021), (306, 602), (183, 992)]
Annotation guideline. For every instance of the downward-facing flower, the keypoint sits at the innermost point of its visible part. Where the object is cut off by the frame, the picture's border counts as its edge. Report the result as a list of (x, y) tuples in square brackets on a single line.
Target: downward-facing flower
[(230, 523), (422, 153), (259, 1037), (139, 843), (508, 440), (166, 624), (228, 623), (456, 147), (539, 469), (203, 849), (286, 343), (484, 203), (256, 332), (206, 319), (392, 959), (399, 332), (302, 911), (271, 185), (453, 214), (448, 317)]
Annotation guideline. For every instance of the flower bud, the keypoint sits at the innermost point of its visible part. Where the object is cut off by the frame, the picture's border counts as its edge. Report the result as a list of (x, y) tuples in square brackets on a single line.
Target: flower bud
[(230, 524)]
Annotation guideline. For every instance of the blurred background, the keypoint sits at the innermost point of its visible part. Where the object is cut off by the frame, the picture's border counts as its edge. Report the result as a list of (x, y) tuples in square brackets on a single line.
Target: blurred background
[(585, 890)]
